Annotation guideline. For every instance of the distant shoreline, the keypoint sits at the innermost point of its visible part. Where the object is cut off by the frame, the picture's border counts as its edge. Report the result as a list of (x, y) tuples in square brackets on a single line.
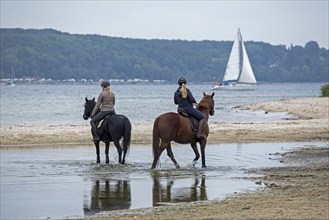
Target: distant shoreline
[(78, 82)]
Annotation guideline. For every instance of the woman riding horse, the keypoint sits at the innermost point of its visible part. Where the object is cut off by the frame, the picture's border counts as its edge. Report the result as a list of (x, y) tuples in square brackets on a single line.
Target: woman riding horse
[(105, 102), (171, 126), (113, 129), (185, 100)]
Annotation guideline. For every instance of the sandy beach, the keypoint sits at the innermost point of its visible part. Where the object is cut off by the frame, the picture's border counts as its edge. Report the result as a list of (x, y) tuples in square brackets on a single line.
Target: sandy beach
[(311, 125)]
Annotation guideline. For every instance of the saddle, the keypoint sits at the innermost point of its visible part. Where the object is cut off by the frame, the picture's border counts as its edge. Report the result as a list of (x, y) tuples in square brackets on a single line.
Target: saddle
[(100, 123), (193, 122)]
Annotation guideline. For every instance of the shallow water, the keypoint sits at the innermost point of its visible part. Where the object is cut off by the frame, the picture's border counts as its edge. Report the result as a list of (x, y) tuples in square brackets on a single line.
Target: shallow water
[(64, 182)]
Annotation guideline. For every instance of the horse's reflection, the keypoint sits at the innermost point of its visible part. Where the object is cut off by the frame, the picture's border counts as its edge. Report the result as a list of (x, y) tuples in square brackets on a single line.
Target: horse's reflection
[(164, 190), (108, 195)]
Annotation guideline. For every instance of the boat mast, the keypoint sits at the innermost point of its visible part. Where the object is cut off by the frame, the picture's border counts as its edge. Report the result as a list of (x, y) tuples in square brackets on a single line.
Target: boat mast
[(240, 54)]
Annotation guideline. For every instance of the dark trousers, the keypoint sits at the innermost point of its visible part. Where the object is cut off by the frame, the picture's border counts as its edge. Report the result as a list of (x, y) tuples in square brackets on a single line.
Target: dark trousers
[(100, 116), (96, 119), (195, 113), (198, 116)]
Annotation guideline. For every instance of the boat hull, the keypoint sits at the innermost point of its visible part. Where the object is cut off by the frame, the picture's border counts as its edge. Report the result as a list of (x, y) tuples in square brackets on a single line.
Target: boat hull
[(10, 84), (236, 87)]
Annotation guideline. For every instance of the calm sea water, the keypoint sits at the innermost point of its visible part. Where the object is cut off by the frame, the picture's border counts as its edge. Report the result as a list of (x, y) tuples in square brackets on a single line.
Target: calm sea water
[(63, 104)]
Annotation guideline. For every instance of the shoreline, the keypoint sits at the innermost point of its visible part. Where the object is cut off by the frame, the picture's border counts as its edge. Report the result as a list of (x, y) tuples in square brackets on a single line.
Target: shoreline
[(311, 125)]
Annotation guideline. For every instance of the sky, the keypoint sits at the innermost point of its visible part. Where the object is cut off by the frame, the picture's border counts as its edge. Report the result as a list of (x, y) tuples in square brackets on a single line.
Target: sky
[(276, 22)]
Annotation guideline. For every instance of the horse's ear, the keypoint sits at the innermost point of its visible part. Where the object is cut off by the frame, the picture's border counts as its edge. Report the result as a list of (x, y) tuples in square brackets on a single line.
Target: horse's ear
[(86, 99), (212, 95), (94, 99), (204, 94)]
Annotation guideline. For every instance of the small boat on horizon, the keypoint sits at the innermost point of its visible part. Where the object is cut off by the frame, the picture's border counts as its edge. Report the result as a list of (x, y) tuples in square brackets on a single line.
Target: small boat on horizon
[(12, 81)]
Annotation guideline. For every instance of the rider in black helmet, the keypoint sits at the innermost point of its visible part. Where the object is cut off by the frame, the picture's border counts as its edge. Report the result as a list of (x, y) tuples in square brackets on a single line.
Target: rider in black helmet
[(184, 99), (105, 102)]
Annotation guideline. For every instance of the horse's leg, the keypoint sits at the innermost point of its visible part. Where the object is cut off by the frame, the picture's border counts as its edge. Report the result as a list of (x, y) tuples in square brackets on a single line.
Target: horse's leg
[(197, 155), (124, 155), (157, 156), (107, 151), (203, 144), (171, 155), (119, 149), (98, 159)]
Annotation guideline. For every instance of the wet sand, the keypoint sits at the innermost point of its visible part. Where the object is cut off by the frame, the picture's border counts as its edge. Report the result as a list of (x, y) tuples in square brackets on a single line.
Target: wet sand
[(312, 125)]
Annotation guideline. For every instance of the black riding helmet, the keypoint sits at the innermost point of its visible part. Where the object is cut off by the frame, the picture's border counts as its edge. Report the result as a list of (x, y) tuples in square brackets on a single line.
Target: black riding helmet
[(181, 80), (105, 83)]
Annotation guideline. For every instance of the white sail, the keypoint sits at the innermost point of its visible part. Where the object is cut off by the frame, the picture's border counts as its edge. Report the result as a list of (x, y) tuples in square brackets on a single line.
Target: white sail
[(246, 75), (233, 65), (238, 69)]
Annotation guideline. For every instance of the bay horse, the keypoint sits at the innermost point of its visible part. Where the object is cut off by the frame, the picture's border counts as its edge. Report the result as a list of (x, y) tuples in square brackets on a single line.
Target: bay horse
[(171, 126), (112, 129)]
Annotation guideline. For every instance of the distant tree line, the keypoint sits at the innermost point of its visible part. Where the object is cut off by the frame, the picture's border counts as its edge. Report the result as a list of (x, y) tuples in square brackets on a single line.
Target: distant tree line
[(57, 55)]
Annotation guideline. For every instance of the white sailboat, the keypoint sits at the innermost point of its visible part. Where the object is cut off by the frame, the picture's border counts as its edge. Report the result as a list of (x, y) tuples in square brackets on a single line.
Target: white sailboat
[(12, 81), (238, 74)]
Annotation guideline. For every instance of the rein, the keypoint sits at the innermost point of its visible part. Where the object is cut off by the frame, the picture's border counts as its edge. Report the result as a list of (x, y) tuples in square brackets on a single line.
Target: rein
[(85, 116)]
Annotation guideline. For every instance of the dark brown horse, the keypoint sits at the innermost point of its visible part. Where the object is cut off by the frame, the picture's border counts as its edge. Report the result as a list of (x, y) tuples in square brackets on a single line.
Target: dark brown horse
[(174, 127), (113, 129)]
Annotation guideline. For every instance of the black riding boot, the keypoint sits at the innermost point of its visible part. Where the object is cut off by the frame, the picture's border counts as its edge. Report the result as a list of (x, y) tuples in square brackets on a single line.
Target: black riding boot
[(95, 131), (199, 134)]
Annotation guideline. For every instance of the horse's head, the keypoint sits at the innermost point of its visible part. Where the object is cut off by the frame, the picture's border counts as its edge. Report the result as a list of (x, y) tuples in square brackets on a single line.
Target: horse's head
[(89, 106), (207, 102)]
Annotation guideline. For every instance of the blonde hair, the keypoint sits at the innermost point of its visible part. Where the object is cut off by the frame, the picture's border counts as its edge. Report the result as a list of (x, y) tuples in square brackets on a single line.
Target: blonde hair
[(108, 90), (184, 92)]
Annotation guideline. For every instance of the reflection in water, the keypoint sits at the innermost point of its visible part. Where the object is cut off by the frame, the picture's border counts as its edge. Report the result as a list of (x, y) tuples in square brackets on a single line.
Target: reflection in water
[(165, 192), (108, 195)]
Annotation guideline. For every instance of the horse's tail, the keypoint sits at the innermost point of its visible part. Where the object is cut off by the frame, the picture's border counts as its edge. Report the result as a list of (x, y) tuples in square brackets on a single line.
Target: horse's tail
[(155, 138), (126, 135)]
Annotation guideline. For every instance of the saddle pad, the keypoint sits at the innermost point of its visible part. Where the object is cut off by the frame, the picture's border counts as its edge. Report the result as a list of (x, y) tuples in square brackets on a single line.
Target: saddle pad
[(193, 121), (103, 120)]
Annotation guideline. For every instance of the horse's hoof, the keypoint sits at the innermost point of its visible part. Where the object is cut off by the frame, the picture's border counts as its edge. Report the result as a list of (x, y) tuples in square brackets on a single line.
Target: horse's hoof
[(204, 166), (107, 161)]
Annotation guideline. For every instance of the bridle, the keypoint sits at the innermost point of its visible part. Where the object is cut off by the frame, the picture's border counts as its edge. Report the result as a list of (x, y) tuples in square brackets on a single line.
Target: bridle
[(210, 109), (87, 114)]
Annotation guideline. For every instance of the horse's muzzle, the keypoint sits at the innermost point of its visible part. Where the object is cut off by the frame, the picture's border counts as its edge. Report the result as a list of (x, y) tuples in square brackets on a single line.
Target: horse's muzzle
[(85, 117)]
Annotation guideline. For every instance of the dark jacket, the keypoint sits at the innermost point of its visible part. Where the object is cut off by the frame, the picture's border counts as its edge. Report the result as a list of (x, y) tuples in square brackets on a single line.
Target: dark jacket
[(183, 102)]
